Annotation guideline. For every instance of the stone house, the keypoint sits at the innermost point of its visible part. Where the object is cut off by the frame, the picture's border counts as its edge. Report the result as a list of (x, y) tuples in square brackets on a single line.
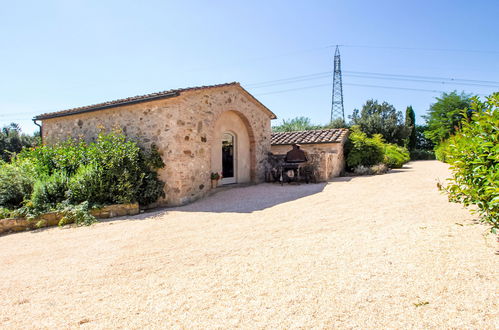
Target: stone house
[(200, 130), (324, 148)]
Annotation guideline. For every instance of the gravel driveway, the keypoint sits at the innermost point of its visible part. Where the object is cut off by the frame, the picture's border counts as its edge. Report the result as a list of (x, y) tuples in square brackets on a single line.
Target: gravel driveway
[(366, 252)]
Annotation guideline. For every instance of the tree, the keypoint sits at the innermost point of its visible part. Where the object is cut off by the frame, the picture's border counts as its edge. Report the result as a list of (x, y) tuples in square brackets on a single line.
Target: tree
[(337, 123), (384, 119), (295, 124), (422, 142), (444, 116), (410, 124), (13, 141)]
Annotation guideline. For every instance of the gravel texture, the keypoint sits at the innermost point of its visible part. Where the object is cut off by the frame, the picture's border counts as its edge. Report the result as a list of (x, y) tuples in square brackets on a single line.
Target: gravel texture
[(383, 251)]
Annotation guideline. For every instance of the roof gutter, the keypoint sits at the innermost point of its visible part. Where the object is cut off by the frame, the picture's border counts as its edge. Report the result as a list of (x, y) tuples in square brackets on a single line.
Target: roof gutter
[(103, 107), (40, 126)]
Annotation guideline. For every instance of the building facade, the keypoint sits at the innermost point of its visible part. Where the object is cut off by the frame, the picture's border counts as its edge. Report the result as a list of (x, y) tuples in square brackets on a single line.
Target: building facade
[(198, 131), (325, 149)]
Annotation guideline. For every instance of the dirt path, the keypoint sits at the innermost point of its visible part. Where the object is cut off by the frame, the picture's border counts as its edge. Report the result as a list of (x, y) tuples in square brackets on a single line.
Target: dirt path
[(365, 252)]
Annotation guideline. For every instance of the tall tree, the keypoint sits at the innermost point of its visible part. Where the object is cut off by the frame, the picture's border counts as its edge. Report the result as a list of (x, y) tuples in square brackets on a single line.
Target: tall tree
[(444, 116), (410, 124), (295, 124), (384, 119)]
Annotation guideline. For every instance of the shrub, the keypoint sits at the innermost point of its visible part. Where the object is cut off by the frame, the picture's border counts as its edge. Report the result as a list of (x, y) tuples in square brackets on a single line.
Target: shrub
[(77, 214), (443, 150), (87, 185), (421, 154), (5, 213), (110, 170), (65, 157), (49, 191), (474, 157), (16, 183), (362, 150), (395, 156), (150, 189)]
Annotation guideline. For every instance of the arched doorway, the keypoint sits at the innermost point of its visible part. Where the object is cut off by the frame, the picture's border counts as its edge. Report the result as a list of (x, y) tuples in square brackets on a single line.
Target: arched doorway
[(229, 158), (231, 149)]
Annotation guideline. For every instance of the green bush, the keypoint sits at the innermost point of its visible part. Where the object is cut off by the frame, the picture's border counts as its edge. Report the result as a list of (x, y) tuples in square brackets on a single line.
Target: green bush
[(49, 191), (16, 183), (474, 157), (77, 214), (65, 157), (421, 154), (395, 156), (5, 213), (365, 151), (443, 150), (87, 185), (150, 189), (362, 150), (117, 171), (111, 170)]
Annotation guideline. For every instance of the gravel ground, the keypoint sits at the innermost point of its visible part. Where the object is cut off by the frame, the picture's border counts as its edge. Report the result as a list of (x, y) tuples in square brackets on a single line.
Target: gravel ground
[(365, 252)]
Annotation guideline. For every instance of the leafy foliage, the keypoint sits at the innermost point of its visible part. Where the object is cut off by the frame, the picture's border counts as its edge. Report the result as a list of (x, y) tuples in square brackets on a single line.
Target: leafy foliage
[(445, 116), (362, 150), (337, 123), (384, 119), (474, 157), (4, 213), (410, 124), (422, 142), (12, 141), (49, 191), (443, 150), (395, 156), (77, 214), (111, 170), (16, 183), (295, 124), (422, 154)]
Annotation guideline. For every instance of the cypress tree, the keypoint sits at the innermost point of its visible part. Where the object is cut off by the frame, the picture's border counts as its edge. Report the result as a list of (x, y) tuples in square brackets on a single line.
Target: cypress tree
[(410, 123)]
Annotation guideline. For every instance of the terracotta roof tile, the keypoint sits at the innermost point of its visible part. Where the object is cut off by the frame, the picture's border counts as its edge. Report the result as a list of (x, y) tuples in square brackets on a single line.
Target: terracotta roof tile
[(335, 135), (137, 99)]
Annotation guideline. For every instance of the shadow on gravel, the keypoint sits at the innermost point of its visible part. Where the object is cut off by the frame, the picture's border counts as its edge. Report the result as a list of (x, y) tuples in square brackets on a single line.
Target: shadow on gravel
[(251, 198)]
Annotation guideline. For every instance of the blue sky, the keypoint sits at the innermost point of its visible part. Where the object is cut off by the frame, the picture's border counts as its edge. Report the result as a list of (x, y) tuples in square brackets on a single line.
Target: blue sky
[(61, 54)]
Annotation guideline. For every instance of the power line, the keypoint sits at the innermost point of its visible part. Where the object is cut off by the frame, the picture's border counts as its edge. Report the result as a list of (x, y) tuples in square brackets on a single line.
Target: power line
[(18, 113), (455, 50), (318, 75), (295, 89), (358, 85), (377, 75), (421, 80), (423, 77)]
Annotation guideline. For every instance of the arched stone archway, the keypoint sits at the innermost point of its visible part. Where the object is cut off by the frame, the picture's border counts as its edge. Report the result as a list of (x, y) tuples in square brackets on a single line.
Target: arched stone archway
[(236, 124)]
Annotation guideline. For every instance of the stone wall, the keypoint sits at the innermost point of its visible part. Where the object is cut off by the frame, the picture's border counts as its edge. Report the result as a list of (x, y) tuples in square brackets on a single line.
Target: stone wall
[(52, 218), (327, 158), (182, 128)]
